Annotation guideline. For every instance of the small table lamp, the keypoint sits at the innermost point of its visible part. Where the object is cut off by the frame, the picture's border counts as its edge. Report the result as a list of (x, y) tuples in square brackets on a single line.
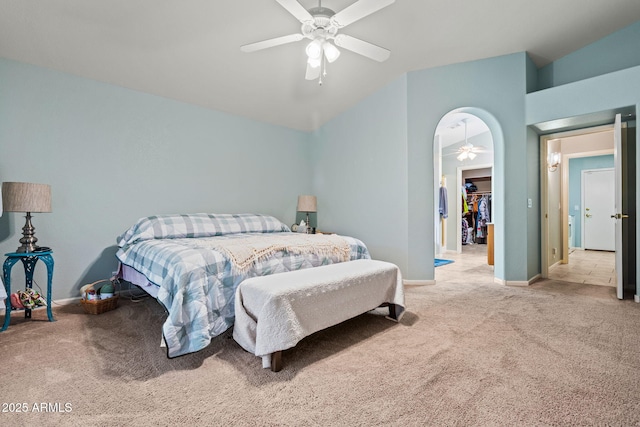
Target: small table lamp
[(26, 197), (307, 204)]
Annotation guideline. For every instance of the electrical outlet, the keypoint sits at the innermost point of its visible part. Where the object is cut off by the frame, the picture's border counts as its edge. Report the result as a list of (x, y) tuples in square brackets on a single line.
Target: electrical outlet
[(554, 251)]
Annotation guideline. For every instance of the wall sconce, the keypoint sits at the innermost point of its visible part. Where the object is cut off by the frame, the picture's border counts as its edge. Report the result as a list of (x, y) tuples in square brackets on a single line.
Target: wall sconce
[(553, 161)]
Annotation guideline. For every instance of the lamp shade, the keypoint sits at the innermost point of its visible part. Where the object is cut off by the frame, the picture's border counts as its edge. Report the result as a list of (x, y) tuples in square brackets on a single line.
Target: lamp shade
[(307, 204), (330, 51), (26, 197)]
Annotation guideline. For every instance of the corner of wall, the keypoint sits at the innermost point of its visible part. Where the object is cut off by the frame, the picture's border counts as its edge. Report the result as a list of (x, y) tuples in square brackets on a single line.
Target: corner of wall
[(532, 75)]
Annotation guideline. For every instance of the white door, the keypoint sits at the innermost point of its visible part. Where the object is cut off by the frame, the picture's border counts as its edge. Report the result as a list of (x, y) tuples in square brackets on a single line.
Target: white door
[(618, 215), (599, 205)]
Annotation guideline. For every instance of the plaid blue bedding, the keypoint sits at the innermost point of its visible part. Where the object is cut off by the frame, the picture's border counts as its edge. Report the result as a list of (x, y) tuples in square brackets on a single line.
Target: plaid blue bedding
[(198, 225), (196, 284)]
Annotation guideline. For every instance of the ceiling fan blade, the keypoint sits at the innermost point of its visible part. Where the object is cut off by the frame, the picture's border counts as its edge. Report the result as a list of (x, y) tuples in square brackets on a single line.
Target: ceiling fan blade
[(358, 10), (271, 43), (312, 72), (362, 47), (296, 9)]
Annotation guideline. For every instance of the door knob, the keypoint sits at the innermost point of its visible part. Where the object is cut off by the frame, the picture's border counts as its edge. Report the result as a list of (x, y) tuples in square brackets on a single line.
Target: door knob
[(619, 216), (588, 215), (587, 209)]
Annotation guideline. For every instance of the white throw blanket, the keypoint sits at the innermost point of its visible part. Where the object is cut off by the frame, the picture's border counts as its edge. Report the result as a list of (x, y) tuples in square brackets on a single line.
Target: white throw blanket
[(243, 253), (275, 312)]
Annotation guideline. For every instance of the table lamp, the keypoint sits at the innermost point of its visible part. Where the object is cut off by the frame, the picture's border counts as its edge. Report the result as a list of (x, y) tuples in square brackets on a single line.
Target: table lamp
[(26, 197), (307, 204)]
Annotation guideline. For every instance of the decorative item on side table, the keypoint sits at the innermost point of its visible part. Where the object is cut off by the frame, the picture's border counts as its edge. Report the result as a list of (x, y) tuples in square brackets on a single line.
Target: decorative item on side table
[(307, 204), (99, 299)]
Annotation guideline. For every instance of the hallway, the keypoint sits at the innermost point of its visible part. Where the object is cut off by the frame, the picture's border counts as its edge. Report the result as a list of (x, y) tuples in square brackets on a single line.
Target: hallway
[(584, 267), (587, 267)]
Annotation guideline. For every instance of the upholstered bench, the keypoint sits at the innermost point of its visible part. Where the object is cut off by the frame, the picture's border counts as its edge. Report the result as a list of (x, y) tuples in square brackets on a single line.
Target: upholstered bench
[(274, 312)]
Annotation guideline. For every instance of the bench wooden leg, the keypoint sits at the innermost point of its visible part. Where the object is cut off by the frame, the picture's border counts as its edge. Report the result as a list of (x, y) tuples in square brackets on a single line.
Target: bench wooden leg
[(276, 361), (394, 310)]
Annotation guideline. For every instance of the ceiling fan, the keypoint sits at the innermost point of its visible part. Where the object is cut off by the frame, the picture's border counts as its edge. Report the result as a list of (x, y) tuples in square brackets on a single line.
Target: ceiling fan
[(321, 26), (467, 150)]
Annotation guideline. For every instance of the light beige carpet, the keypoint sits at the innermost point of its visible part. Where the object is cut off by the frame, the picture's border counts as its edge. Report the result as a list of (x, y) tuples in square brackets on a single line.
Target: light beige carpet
[(464, 354)]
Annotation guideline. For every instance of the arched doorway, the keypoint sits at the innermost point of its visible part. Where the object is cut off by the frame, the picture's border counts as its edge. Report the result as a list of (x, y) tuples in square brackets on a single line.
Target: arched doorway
[(464, 160)]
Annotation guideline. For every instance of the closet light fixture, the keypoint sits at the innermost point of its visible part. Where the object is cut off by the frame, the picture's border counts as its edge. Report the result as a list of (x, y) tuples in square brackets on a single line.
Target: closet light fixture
[(467, 150), (466, 155), (553, 161)]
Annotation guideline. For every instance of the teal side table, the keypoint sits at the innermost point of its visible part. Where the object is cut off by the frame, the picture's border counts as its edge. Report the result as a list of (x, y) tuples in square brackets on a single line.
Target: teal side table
[(29, 260)]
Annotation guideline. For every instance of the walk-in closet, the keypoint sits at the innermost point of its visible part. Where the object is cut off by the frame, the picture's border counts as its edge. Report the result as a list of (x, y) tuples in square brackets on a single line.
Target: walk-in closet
[(476, 206)]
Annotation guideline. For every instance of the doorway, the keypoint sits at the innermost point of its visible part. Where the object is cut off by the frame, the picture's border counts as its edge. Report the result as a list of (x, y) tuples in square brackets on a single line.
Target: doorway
[(574, 249), (463, 168), (598, 232)]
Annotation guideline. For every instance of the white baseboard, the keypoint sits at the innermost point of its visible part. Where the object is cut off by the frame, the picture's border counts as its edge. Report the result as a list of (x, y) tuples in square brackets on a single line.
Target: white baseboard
[(66, 301), (554, 264), (76, 300), (517, 282), (418, 282), (636, 298)]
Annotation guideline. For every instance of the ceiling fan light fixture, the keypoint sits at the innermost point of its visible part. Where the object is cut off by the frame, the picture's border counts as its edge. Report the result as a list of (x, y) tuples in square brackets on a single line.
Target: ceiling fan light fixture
[(462, 156), (330, 51), (471, 155), (313, 62), (314, 49)]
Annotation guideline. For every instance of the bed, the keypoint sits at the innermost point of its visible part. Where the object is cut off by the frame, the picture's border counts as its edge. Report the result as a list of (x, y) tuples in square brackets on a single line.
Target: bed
[(193, 263)]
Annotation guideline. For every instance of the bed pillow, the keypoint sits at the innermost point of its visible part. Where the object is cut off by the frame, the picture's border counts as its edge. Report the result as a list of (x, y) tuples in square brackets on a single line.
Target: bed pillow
[(198, 225)]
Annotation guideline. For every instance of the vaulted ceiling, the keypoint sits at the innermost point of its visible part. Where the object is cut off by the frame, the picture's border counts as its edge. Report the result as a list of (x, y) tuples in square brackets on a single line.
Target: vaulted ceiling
[(189, 50)]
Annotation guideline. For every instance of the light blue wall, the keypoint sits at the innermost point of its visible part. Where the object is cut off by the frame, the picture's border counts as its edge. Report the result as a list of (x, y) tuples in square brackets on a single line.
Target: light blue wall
[(113, 155), (360, 173), (494, 89), (615, 52), (576, 166), (597, 94)]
